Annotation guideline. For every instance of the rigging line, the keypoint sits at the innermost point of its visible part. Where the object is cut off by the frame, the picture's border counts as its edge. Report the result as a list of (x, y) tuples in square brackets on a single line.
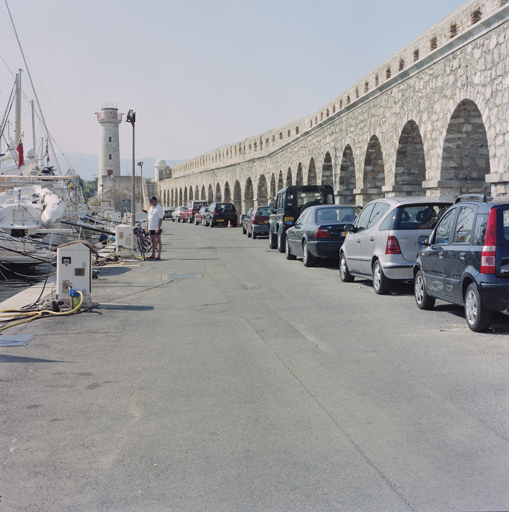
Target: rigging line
[(7, 111), (31, 81), (54, 108), (28, 255)]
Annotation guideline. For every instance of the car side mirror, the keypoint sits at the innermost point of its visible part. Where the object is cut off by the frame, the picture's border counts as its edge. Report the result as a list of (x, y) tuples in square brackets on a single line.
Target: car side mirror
[(350, 227), (423, 240)]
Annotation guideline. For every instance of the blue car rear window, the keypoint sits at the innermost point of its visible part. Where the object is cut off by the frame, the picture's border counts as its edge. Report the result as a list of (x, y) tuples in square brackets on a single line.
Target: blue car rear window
[(505, 223)]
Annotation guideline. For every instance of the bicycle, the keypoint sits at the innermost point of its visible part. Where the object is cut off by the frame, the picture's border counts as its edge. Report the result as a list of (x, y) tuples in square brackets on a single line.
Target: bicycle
[(142, 241)]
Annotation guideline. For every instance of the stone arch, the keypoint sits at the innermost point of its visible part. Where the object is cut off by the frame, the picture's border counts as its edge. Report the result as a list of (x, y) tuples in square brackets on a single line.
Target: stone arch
[(280, 183), (327, 171), (191, 195), (273, 191), (373, 178), (249, 194), (197, 193), (166, 197), (312, 172), (227, 193), (180, 197), (288, 177), (299, 178), (465, 155), (185, 195), (203, 196), (410, 162), (237, 197), (347, 177), (172, 203), (210, 195), (219, 197), (261, 192)]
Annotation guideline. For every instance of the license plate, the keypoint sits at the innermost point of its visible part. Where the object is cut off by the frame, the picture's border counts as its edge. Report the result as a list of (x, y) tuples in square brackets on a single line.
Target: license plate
[(266, 222), (220, 220), (344, 233)]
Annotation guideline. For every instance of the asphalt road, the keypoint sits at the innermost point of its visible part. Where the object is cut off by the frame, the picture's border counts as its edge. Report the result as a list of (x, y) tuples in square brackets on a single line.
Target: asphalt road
[(225, 378)]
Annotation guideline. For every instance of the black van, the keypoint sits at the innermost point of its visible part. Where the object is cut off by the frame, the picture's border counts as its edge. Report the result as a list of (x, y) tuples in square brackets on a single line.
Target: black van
[(466, 260), (291, 202)]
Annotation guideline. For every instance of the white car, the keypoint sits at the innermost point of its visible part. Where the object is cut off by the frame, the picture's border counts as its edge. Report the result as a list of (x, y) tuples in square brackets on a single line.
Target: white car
[(177, 214), (168, 211)]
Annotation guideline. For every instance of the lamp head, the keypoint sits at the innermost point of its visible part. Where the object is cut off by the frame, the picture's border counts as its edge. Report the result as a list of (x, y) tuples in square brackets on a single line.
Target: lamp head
[(131, 117)]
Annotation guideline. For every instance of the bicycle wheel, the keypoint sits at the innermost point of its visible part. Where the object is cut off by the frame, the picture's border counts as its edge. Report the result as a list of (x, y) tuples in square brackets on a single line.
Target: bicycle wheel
[(146, 244), (138, 246)]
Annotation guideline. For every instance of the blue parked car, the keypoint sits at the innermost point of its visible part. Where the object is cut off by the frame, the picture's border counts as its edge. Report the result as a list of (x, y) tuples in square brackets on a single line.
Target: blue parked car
[(465, 260)]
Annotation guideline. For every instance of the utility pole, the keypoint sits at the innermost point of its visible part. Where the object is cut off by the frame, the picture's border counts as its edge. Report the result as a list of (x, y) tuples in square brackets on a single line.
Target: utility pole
[(131, 118)]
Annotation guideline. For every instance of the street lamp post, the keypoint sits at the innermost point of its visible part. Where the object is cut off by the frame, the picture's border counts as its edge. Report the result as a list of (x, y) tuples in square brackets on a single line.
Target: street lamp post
[(140, 164), (131, 118)]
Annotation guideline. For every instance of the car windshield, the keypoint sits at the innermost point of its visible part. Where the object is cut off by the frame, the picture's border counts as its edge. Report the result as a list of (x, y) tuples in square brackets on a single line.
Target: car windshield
[(296, 199), (344, 214), (263, 212), (411, 217)]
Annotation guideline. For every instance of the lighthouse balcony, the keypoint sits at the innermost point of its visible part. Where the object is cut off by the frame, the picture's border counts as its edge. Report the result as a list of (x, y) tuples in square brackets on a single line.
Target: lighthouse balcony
[(109, 115)]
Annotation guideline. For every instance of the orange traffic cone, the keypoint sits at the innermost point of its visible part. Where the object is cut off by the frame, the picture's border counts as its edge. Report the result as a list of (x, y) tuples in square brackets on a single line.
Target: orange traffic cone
[(229, 224)]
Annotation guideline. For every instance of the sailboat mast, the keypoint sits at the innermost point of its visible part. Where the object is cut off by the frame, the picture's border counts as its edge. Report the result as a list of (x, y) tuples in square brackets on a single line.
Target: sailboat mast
[(33, 124), (33, 88), (18, 108)]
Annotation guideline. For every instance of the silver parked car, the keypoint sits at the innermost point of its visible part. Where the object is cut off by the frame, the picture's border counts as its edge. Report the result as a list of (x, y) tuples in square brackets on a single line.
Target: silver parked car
[(381, 244), (177, 213)]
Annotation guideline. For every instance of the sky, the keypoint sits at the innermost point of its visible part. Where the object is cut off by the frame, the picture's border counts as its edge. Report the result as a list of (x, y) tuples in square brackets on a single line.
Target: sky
[(198, 73)]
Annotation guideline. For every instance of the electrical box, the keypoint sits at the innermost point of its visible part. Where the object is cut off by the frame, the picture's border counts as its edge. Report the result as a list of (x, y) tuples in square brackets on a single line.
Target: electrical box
[(74, 270), (124, 236)]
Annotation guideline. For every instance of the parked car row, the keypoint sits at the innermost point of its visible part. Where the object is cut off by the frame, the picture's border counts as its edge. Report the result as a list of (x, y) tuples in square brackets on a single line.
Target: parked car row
[(200, 212), (455, 251)]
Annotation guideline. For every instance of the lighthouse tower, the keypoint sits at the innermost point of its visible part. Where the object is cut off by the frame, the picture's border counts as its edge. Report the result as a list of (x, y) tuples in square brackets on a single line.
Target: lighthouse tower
[(109, 154)]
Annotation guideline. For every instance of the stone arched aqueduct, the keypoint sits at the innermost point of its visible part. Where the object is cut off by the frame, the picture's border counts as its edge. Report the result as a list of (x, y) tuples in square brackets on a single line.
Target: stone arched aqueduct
[(431, 120)]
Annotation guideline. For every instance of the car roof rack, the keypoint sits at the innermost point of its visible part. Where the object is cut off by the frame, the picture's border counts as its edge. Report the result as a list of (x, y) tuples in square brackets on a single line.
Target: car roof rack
[(480, 198)]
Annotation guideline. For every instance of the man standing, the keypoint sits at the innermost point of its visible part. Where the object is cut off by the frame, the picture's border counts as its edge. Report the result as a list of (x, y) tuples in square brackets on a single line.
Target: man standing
[(154, 222)]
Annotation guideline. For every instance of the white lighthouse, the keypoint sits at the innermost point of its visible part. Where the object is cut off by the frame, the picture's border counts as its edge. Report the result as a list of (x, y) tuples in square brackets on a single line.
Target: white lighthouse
[(109, 154)]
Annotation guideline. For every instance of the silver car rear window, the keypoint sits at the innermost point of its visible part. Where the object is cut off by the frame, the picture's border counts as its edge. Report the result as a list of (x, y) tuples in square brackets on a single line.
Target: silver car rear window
[(413, 217)]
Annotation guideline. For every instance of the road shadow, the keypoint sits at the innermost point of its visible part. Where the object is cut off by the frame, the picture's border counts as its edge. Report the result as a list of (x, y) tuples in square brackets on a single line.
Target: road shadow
[(112, 271), (17, 359)]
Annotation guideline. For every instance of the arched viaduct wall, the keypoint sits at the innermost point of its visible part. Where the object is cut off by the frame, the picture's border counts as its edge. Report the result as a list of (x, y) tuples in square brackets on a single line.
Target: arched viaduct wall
[(429, 121)]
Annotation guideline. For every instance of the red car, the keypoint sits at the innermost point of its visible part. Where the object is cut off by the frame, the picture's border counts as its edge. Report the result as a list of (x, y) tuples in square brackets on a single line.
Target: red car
[(199, 218), (258, 223), (193, 207)]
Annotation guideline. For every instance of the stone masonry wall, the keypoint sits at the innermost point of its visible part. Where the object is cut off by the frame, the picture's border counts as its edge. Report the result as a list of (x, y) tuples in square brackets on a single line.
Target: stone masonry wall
[(431, 120)]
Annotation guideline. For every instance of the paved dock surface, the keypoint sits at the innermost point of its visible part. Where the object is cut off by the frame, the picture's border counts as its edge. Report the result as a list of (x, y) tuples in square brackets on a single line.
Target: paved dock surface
[(225, 378)]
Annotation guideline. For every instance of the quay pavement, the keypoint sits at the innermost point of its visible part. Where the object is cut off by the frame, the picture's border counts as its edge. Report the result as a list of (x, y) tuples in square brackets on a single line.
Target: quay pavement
[(225, 378)]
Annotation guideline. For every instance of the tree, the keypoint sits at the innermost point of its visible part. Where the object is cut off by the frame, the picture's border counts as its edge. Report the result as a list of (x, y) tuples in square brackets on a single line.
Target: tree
[(89, 188)]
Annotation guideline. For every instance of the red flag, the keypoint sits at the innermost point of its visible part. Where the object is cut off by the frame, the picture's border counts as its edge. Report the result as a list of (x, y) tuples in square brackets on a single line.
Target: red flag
[(19, 149)]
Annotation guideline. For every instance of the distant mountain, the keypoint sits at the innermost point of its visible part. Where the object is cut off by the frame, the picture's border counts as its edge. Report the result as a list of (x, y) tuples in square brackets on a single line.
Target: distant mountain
[(87, 166)]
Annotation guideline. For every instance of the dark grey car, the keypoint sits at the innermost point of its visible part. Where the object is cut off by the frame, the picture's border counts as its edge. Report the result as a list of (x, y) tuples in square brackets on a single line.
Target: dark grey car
[(319, 232)]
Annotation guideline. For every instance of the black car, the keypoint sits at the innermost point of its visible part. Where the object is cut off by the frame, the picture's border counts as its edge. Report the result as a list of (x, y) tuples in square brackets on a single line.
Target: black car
[(319, 232), (465, 260), (220, 214), (290, 203)]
